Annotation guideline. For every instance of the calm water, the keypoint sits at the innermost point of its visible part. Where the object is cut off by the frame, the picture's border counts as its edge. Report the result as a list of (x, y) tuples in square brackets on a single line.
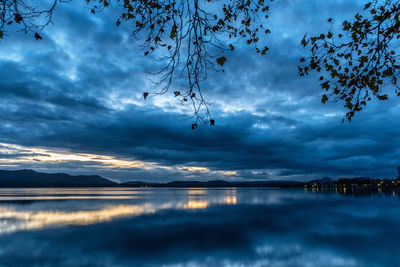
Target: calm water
[(196, 227)]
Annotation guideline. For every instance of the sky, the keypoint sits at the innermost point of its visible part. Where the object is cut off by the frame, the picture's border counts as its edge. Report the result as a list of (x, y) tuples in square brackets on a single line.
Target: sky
[(73, 102)]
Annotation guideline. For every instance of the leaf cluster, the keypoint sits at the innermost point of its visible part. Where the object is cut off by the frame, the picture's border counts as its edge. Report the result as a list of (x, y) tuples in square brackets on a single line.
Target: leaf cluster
[(356, 64)]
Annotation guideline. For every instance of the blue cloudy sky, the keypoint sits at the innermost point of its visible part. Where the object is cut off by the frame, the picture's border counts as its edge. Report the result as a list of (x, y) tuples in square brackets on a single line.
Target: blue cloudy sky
[(73, 103)]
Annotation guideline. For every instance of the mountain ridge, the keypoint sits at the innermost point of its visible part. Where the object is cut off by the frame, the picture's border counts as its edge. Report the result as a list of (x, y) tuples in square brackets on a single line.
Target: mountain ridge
[(31, 178)]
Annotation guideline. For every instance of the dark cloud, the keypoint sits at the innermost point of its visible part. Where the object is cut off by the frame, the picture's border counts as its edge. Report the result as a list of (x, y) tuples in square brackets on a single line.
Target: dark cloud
[(80, 89)]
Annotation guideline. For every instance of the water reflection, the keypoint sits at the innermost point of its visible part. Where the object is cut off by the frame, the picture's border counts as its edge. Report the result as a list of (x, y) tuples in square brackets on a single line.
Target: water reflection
[(230, 197), (197, 227), (15, 218), (196, 204), (352, 191), (196, 191)]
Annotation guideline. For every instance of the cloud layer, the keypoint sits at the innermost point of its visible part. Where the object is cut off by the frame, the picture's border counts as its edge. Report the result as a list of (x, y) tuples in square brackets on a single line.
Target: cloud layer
[(79, 91)]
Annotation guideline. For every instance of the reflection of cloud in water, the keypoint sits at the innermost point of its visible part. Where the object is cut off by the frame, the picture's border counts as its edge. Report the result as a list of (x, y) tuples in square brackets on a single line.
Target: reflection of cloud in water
[(13, 198), (230, 200), (293, 254), (196, 191), (68, 193), (13, 220), (196, 204), (16, 217), (263, 228), (230, 197)]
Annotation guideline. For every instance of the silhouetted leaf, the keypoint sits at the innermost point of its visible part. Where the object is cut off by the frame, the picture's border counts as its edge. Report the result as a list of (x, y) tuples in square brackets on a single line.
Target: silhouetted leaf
[(221, 61), (17, 18), (37, 36), (264, 51), (145, 94)]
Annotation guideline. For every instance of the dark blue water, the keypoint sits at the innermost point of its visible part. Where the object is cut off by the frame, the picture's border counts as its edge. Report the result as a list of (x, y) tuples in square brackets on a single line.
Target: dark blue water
[(197, 227)]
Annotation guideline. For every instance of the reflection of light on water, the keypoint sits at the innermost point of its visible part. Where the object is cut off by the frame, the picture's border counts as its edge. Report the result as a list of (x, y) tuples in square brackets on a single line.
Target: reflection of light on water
[(68, 193), (61, 197), (14, 220), (73, 211), (197, 201), (230, 198), (196, 204), (196, 191)]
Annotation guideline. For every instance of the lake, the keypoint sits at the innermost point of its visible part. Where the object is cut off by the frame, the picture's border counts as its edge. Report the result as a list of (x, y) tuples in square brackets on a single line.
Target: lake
[(197, 227)]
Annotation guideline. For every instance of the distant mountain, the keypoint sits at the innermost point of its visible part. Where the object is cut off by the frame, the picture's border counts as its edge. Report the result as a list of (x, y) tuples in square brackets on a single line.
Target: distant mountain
[(30, 178), (216, 183)]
